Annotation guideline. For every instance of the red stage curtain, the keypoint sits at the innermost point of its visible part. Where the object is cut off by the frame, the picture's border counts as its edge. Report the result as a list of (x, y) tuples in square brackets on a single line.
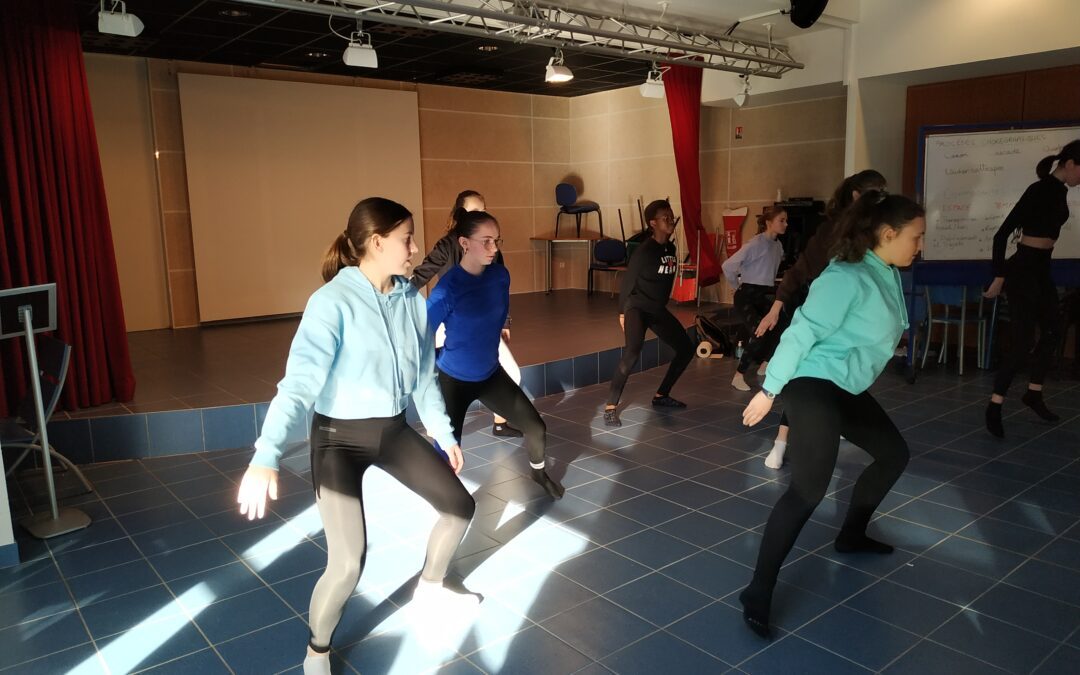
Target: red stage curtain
[(682, 87), (53, 214)]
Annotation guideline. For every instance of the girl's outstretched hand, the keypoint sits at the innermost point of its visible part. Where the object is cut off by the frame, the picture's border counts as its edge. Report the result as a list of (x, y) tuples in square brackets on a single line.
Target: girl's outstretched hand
[(757, 409)]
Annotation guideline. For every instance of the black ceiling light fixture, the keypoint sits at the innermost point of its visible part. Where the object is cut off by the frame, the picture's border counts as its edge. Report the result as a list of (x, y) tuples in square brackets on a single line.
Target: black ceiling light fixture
[(804, 13)]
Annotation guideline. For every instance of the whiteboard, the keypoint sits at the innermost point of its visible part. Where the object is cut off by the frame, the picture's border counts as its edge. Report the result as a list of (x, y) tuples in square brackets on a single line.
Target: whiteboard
[(972, 180)]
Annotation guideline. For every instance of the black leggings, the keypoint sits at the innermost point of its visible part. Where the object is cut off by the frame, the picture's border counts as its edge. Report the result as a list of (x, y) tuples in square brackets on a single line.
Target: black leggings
[(669, 330), (341, 452), (503, 397), (1033, 302), (754, 302), (820, 413)]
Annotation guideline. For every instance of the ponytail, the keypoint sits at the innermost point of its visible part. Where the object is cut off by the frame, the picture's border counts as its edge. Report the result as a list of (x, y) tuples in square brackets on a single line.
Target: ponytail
[(859, 228), (459, 204), (1071, 151), (339, 255), (867, 179), (1042, 169)]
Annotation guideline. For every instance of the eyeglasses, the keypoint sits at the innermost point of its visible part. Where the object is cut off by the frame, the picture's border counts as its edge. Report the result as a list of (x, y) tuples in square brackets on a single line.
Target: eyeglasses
[(488, 243)]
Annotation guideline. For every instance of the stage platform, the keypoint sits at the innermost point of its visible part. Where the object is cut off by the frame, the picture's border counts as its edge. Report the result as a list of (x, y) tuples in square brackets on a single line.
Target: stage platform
[(207, 388)]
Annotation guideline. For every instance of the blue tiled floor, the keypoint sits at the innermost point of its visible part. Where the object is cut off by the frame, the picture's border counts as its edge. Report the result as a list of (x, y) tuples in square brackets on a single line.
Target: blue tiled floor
[(637, 570)]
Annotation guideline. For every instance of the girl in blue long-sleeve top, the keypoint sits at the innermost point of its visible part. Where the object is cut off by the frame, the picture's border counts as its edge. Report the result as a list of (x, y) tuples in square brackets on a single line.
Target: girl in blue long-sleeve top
[(362, 351), (472, 300)]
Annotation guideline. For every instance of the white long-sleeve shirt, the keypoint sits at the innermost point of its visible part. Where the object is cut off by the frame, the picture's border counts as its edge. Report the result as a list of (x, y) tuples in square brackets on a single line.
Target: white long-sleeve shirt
[(756, 262)]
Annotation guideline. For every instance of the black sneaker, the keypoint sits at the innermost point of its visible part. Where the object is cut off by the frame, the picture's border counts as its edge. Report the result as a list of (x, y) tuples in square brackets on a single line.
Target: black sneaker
[(505, 430), (667, 402), (611, 417)]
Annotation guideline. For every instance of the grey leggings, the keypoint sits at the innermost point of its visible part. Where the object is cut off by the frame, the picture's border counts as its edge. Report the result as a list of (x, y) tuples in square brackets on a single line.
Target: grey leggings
[(341, 451)]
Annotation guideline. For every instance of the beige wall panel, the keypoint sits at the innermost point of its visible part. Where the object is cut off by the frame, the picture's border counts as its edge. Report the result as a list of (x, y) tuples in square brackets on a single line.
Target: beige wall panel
[(522, 275), (650, 178), (551, 140), (640, 133), (716, 132), (174, 185), (714, 175), (300, 76), (434, 227), (791, 122), (590, 104), (372, 83), (798, 170), (589, 139), (544, 220), (473, 100), (185, 302), (456, 135), (181, 254), (162, 73), (546, 177), (515, 225), (168, 133), (630, 98), (266, 182), (594, 181), (502, 184), (551, 106), (120, 99)]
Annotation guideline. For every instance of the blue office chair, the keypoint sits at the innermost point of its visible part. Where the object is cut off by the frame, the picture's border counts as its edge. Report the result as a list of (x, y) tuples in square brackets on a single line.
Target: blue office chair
[(566, 197), (956, 297), (609, 255)]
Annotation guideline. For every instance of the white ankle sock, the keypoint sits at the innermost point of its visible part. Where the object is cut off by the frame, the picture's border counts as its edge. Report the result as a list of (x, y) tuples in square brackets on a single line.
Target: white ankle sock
[(775, 460), (318, 664), (739, 382)]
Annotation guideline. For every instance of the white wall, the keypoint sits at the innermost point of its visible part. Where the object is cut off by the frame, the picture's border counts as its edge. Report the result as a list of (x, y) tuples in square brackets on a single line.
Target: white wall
[(822, 52), (898, 37)]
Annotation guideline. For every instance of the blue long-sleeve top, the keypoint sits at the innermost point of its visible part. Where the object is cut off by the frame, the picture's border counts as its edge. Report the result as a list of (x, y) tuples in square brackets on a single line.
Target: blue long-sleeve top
[(357, 354), (474, 309), (846, 331), (756, 262)]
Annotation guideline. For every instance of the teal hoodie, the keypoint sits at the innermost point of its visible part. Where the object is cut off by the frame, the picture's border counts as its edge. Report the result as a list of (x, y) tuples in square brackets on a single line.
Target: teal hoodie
[(357, 354), (847, 330)]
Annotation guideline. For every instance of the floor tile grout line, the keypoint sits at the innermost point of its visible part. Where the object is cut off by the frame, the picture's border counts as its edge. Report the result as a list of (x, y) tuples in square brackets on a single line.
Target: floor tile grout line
[(187, 614)]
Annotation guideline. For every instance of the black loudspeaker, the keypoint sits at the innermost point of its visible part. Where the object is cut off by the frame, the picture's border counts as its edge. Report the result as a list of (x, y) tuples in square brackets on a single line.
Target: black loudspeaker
[(805, 12)]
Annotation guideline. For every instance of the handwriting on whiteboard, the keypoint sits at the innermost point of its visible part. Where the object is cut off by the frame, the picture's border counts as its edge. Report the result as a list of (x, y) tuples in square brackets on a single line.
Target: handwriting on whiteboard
[(972, 180)]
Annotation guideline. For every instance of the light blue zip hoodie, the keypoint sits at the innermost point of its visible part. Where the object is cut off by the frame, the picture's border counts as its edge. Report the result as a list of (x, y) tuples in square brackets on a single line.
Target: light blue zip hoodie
[(846, 331), (358, 354)]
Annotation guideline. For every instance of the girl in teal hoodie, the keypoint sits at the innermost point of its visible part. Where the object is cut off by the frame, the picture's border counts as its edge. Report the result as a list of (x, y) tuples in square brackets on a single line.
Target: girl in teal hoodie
[(362, 351), (838, 343)]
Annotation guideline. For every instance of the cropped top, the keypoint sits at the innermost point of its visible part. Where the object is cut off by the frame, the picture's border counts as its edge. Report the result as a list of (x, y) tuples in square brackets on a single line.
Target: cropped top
[(1041, 212)]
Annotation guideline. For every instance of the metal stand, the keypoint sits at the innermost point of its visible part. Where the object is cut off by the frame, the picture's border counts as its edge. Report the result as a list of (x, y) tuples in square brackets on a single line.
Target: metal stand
[(58, 520)]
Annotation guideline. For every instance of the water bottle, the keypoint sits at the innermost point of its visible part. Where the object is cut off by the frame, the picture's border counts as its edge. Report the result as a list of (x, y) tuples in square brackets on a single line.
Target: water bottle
[(738, 350)]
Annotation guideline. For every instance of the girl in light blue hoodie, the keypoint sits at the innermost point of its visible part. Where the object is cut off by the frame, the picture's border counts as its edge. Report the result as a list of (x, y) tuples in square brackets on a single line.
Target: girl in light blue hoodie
[(838, 343), (362, 351)]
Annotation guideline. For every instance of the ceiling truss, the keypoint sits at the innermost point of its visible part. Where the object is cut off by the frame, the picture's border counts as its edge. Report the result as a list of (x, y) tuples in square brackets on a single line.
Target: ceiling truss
[(528, 22)]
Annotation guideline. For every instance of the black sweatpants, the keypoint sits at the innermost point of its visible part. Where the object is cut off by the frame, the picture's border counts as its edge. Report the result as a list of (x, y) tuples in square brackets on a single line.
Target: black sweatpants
[(820, 412), (1033, 304), (753, 302), (502, 396), (669, 330)]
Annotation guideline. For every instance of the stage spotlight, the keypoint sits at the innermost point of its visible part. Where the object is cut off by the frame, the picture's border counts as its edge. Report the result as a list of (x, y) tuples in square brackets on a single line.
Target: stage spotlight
[(743, 96), (360, 53), (118, 23), (653, 87), (556, 70)]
